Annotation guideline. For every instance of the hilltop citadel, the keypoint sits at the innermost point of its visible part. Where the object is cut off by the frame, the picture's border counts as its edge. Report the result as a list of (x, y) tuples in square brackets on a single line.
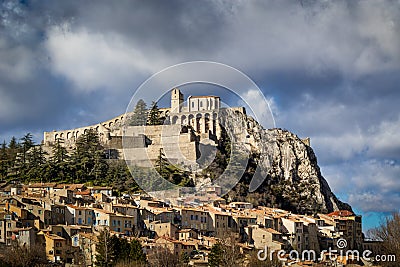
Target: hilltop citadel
[(187, 123)]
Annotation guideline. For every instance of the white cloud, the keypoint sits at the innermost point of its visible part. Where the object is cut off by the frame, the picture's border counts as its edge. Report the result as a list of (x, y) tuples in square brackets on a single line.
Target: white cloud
[(262, 108), (384, 139), (357, 40), (370, 185), (375, 202), (93, 60), (16, 62)]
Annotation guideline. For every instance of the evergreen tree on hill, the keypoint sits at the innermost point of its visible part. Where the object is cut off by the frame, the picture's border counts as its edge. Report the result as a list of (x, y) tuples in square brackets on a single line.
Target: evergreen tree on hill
[(27, 143), (88, 159), (139, 116), (3, 161), (154, 114), (136, 252)]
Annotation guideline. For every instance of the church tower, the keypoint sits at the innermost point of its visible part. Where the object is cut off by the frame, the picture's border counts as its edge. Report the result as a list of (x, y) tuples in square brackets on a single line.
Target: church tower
[(176, 100)]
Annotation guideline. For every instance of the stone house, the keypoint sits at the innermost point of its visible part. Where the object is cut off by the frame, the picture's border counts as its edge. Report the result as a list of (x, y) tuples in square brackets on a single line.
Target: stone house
[(187, 234), (241, 205), (116, 222), (177, 247), (158, 214), (26, 236), (86, 242), (195, 219), (220, 223), (56, 247), (78, 215), (158, 229), (262, 237)]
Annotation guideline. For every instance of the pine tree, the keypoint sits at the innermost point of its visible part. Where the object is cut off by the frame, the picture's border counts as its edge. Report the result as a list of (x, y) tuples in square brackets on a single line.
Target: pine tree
[(59, 152), (162, 165), (88, 159), (3, 161), (139, 116), (122, 249), (215, 256), (13, 147), (35, 163), (154, 114), (136, 252), (27, 143)]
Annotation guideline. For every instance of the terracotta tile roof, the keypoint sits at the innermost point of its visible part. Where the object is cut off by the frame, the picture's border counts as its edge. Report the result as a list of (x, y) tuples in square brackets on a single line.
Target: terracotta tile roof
[(70, 186), (83, 193), (77, 207), (42, 185), (341, 213), (185, 230), (54, 237), (272, 231), (90, 236)]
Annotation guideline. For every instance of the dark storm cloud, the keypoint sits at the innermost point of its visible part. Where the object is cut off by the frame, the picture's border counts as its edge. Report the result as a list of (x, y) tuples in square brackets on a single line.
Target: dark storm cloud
[(329, 68)]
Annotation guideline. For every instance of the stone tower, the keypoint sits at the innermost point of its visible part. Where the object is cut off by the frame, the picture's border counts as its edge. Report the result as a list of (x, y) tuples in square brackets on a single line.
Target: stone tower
[(176, 100)]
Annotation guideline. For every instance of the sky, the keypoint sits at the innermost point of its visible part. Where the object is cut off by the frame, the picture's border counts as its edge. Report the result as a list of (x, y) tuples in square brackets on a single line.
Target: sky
[(330, 70)]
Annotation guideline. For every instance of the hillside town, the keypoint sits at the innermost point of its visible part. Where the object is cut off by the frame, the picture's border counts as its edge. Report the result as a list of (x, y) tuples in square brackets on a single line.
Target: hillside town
[(65, 221)]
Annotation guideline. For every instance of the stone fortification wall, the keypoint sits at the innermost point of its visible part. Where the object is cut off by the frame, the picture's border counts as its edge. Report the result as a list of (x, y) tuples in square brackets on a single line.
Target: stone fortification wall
[(143, 144), (105, 129)]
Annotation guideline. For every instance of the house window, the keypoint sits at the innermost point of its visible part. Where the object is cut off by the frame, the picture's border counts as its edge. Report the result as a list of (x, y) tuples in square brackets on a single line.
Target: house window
[(201, 104), (80, 212), (192, 104)]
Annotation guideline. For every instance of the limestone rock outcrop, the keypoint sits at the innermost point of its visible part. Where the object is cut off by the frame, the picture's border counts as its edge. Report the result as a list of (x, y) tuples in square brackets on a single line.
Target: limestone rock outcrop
[(290, 176)]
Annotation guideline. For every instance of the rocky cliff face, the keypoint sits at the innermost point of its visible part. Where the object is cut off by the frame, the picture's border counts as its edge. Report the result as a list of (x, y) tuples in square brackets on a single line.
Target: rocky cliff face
[(282, 170)]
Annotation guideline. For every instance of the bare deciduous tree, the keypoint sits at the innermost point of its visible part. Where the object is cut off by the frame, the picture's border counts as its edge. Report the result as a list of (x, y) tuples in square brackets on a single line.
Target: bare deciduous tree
[(389, 233), (228, 253), (22, 256), (163, 257)]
